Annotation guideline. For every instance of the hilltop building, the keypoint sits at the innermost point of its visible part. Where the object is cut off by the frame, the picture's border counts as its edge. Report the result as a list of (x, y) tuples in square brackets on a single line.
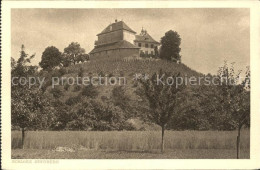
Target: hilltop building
[(146, 43), (119, 40)]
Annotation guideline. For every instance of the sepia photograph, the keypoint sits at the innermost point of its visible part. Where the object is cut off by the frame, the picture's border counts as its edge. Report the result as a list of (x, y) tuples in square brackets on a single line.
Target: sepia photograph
[(139, 83)]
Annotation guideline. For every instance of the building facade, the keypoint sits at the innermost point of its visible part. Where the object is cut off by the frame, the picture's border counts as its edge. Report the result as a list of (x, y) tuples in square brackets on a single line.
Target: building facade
[(146, 43), (119, 40)]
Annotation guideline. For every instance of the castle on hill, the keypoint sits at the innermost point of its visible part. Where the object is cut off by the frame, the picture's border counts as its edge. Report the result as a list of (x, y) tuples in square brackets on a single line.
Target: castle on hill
[(119, 40)]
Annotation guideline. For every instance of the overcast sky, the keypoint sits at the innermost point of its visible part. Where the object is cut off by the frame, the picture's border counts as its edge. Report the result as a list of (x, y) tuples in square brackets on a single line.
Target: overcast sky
[(209, 36)]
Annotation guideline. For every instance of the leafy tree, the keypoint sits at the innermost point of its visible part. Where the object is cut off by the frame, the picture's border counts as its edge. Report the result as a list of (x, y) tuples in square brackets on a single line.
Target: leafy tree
[(51, 57), (66, 61), (82, 58), (162, 98), (74, 52), (95, 115), (29, 107), (235, 102), (170, 48), (21, 68)]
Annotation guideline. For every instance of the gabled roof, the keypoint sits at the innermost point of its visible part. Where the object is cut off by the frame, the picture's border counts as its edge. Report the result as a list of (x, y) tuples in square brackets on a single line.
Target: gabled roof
[(120, 25), (123, 44), (145, 37)]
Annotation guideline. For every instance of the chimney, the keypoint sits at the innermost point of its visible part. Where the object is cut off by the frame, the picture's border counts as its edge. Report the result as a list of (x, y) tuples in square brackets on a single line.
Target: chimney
[(115, 20)]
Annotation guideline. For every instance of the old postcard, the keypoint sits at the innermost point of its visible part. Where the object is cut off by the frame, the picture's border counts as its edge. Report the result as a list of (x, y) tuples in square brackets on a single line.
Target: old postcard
[(130, 85)]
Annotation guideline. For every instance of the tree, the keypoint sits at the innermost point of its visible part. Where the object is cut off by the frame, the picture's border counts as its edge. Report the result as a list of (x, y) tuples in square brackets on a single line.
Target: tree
[(170, 48), (82, 58), (51, 57), (235, 101), (20, 67), (162, 98), (95, 115), (73, 52), (29, 107)]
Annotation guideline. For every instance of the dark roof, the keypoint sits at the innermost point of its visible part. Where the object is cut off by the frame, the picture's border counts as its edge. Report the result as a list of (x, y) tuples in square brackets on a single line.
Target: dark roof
[(120, 25), (123, 44), (145, 38)]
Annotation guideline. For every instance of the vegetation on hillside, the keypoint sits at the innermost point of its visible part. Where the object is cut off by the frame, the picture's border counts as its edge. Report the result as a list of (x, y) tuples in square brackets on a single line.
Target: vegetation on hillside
[(69, 106)]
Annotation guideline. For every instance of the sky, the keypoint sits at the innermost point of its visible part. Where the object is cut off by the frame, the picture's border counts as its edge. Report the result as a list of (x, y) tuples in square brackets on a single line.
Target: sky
[(209, 35)]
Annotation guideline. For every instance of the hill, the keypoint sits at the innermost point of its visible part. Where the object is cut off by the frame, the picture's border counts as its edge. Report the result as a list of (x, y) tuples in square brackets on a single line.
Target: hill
[(70, 97)]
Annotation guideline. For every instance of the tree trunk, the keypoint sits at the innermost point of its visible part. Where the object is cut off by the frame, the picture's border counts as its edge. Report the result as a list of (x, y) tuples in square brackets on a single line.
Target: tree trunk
[(23, 136), (238, 142), (162, 144)]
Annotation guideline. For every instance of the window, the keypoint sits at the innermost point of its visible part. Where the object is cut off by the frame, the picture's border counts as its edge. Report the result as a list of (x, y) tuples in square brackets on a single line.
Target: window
[(146, 52), (139, 44), (151, 45), (152, 52), (146, 45)]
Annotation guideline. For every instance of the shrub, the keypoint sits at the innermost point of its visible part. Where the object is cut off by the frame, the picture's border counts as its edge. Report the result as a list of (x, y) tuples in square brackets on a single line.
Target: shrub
[(89, 91), (66, 87), (56, 92), (62, 71), (73, 100), (81, 72), (77, 88)]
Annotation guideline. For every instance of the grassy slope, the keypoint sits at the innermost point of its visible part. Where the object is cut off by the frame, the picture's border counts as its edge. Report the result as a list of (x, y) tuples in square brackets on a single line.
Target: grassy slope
[(121, 68)]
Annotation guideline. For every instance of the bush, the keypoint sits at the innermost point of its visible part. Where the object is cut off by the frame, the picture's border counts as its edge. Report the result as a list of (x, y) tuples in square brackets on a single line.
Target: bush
[(81, 72), (89, 91), (73, 100), (56, 92), (66, 87), (63, 71), (77, 88)]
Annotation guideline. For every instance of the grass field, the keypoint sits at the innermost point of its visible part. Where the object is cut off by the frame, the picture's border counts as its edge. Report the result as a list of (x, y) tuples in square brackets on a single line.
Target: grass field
[(130, 144)]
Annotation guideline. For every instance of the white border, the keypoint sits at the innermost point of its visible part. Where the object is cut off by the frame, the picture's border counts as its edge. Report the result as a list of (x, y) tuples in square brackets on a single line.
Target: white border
[(252, 163)]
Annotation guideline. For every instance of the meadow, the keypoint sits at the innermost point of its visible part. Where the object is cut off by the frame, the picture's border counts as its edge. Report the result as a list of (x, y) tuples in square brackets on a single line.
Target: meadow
[(130, 144)]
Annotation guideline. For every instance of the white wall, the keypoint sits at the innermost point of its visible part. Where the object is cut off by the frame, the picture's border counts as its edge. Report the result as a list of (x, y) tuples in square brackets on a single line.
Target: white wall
[(128, 36), (144, 49)]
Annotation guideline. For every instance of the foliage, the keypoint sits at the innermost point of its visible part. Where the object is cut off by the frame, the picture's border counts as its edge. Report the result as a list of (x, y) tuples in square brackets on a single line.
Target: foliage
[(95, 115), (162, 98), (56, 92), (73, 100), (122, 100), (170, 48), (89, 91), (30, 109), (51, 57), (74, 53), (234, 96)]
